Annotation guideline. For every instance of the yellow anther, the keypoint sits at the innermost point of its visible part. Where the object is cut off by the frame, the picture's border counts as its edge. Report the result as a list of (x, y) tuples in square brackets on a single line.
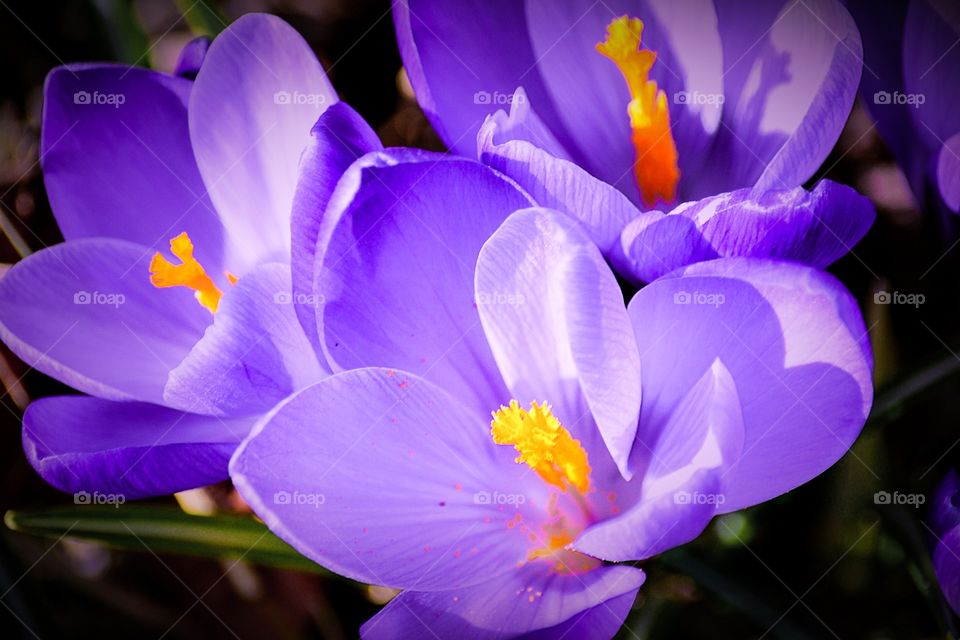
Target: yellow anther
[(655, 167), (543, 444), (189, 273)]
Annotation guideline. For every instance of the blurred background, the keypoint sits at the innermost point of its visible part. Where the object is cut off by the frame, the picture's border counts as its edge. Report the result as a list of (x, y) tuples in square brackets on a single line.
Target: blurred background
[(828, 560)]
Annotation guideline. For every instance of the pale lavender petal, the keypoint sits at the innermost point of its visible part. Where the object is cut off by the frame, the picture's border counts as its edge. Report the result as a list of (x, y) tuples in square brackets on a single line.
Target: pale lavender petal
[(136, 450), (458, 77), (530, 600), (94, 115), (396, 256), (338, 138), (791, 72), (380, 476), (84, 312), (557, 183), (191, 57), (556, 322), (813, 227), (520, 122), (794, 343), (255, 99), (254, 354), (692, 452), (948, 173)]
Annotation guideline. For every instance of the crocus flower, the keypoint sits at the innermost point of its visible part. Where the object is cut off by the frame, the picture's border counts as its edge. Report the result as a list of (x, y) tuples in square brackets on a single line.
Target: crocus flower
[(945, 532), (912, 90), (170, 303), (500, 428), (732, 104)]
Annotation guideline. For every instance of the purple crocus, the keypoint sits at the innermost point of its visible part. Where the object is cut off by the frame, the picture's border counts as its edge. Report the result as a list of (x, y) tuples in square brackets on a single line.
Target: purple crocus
[(912, 90), (500, 429), (178, 353), (734, 105), (945, 532)]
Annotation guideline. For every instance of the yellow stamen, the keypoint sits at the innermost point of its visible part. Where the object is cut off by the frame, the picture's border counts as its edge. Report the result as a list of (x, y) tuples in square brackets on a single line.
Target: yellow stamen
[(543, 444), (655, 167), (189, 273)]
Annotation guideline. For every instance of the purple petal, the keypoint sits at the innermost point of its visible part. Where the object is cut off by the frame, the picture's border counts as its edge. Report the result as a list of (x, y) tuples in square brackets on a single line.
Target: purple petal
[(396, 257), (85, 313), (375, 473), (95, 114), (338, 138), (255, 99), (555, 320), (794, 343), (930, 62), (254, 354), (691, 451), (946, 566), (945, 505), (457, 76), (559, 184), (133, 449), (526, 601), (791, 72), (520, 123), (191, 57), (948, 173), (814, 227)]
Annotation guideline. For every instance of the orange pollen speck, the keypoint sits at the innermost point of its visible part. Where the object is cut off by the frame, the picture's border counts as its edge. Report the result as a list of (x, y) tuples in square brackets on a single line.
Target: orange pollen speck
[(543, 444), (189, 273), (655, 167)]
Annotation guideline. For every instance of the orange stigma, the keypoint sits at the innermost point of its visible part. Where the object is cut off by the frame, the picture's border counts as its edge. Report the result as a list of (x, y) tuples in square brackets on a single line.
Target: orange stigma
[(543, 444), (189, 273), (655, 167)]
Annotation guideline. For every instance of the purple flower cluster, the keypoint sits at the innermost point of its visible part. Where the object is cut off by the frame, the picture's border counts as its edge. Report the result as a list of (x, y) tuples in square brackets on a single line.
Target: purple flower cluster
[(421, 369)]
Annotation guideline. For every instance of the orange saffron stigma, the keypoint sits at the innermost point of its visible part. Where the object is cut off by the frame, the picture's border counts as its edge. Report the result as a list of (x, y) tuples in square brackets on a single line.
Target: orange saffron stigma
[(189, 273), (655, 167), (543, 444)]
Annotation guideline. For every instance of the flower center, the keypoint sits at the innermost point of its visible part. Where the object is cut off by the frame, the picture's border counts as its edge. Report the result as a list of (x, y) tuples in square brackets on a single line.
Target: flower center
[(548, 448), (655, 168), (189, 273), (543, 444)]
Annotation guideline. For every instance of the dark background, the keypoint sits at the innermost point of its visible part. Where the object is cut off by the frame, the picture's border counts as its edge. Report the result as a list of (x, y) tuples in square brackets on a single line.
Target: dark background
[(824, 561)]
